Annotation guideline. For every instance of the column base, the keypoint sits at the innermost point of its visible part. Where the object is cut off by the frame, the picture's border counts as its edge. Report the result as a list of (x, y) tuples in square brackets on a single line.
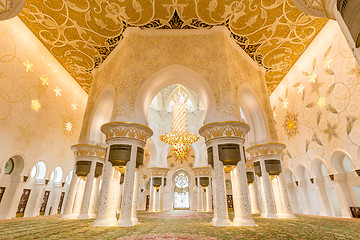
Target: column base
[(268, 215), (110, 222), (125, 223), (346, 215), (325, 214), (7, 217), (135, 221), (83, 216), (92, 215), (222, 222), (69, 216), (209, 211), (249, 222), (286, 215)]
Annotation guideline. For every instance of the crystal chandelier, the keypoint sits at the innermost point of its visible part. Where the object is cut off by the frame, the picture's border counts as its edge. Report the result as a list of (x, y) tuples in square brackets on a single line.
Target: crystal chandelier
[(179, 138)]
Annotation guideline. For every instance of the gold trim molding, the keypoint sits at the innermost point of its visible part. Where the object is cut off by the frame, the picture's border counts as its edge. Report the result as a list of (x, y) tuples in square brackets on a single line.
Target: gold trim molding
[(202, 170), (156, 171), (266, 149), (224, 129), (126, 130), (88, 150)]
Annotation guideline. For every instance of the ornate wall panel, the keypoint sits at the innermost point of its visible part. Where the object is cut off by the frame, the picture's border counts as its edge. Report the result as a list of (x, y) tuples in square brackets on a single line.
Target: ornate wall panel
[(44, 202), (61, 202), (2, 191), (23, 202), (81, 34), (318, 110)]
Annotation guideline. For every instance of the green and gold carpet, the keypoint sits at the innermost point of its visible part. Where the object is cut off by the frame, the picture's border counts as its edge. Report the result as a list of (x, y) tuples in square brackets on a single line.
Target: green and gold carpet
[(181, 225)]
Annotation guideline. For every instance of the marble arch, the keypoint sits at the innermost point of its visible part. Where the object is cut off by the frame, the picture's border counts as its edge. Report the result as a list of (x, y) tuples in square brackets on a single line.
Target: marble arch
[(316, 167), (254, 113), (337, 159), (171, 75), (20, 163), (101, 114)]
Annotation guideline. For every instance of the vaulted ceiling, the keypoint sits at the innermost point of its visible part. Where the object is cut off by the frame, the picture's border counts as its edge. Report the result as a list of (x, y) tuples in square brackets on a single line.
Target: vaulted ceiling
[(82, 33)]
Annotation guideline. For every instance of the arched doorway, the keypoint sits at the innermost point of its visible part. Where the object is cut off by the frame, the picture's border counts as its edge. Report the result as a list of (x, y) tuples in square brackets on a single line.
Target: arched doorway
[(181, 191)]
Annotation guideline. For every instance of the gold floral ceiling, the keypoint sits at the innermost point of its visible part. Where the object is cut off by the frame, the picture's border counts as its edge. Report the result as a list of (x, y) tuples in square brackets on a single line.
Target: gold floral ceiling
[(82, 33)]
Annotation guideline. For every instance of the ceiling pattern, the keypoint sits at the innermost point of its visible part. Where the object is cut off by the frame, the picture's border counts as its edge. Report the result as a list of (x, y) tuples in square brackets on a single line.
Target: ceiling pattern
[(82, 33)]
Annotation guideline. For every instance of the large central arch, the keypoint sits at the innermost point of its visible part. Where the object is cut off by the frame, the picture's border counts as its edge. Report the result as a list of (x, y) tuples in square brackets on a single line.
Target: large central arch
[(174, 74)]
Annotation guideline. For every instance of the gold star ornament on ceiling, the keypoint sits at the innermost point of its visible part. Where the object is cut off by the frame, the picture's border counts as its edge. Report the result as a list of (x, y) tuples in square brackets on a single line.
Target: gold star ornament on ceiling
[(44, 80), (28, 66), (57, 91)]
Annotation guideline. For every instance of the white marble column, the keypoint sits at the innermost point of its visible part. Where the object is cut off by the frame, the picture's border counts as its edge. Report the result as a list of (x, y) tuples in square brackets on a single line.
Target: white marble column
[(208, 198), (325, 204), (126, 204), (306, 198), (161, 195), (85, 204), (214, 199), (119, 193), (78, 197), (222, 217), (242, 208), (261, 196), (202, 197), (198, 195), (35, 200), (106, 215), (277, 198), (287, 211), (269, 202), (254, 198), (94, 202), (342, 192), (134, 218), (70, 198), (152, 206)]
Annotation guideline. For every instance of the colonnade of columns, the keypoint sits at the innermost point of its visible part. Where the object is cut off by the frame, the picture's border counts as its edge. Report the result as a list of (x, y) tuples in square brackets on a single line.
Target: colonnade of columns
[(274, 197), (81, 200), (224, 141), (157, 188), (120, 180), (124, 156), (204, 189)]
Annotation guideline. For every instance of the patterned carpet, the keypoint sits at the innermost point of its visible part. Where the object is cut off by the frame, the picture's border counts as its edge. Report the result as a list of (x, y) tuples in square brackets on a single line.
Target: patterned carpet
[(181, 225)]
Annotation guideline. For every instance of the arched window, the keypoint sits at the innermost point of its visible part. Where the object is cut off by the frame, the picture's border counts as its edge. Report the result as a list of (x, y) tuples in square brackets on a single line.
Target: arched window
[(68, 177), (38, 171), (182, 198), (9, 166), (56, 175)]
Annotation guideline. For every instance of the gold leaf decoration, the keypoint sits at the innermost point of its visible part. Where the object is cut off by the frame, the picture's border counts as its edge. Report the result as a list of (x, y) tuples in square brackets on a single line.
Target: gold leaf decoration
[(318, 118), (330, 89), (331, 109), (350, 122), (81, 34), (310, 105)]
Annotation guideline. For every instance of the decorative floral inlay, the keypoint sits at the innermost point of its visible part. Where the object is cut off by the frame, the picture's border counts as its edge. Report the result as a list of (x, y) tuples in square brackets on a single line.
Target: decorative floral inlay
[(291, 124), (330, 130)]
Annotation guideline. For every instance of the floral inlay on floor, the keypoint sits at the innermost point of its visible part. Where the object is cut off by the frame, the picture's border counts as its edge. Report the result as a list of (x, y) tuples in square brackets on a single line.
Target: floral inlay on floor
[(184, 225)]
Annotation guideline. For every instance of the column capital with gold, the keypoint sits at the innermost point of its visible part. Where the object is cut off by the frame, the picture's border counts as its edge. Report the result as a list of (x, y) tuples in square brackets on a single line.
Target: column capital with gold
[(265, 150), (224, 129), (202, 171), (89, 152), (158, 171), (126, 130)]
